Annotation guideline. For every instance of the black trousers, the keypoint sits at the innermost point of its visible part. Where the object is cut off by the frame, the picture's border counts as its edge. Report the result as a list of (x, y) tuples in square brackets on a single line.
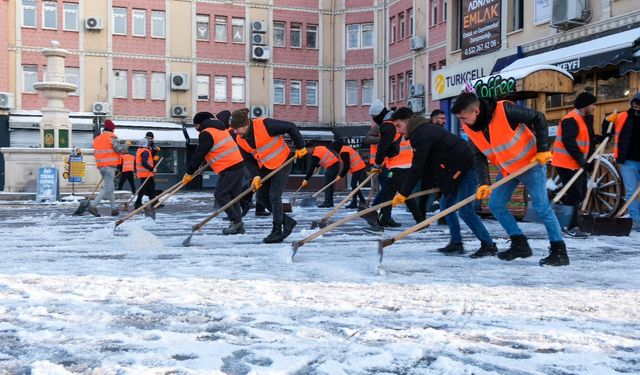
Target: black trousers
[(270, 194), (230, 186), (330, 174), (356, 179), (127, 176), (576, 193), (148, 189), (394, 182)]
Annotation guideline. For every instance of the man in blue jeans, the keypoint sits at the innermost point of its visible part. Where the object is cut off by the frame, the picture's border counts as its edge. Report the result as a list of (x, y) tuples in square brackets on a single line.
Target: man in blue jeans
[(512, 137), (446, 161)]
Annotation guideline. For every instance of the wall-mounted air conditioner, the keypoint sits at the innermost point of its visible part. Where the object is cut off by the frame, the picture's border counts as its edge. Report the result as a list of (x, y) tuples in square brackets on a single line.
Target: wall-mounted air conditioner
[(566, 14), (180, 81)]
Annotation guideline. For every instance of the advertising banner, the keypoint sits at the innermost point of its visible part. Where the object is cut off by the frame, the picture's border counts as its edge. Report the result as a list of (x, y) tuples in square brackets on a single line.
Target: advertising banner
[(480, 27)]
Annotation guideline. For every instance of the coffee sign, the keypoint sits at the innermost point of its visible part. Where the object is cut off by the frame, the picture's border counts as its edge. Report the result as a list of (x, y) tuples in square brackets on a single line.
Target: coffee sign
[(480, 27), (495, 87)]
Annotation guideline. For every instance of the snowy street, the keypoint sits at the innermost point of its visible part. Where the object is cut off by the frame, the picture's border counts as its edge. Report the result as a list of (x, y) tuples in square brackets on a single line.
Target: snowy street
[(77, 299)]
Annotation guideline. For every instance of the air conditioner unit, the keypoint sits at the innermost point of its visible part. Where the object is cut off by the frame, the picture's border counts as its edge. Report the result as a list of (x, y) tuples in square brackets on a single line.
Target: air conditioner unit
[(260, 53), (258, 111), (416, 105), (259, 39), (6, 100), (258, 26), (568, 13), (180, 81), (93, 23), (416, 90), (179, 111), (416, 43), (100, 108)]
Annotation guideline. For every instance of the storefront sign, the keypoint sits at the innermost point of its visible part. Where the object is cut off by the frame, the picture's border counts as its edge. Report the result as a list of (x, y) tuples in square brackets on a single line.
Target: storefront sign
[(480, 27), (47, 184), (495, 87)]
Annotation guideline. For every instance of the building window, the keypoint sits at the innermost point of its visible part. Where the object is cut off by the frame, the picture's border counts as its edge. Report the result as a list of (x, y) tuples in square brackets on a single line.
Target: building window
[(72, 75), (70, 17), (278, 91), (434, 12), (401, 87), (367, 35), (312, 36), (353, 36), (139, 85), (28, 13), (29, 77), (442, 64), (139, 22), (221, 29), (278, 34), (158, 86), (312, 93), (392, 89), (352, 93), (295, 89), (515, 15), (237, 89), (120, 21), (237, 29), (432, 68), (367, 91), (202, 87), (49, 15), (410, 16), (295, 35), (445, 8), (220, 90), (409, 76), (392, 30), (401, 25), (202, 27), (158, 20), (121, 84)]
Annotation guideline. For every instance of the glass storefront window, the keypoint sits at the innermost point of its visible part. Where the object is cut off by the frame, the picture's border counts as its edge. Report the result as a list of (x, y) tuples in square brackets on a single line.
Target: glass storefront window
[(170, 162), (581, 82), (611, 86)]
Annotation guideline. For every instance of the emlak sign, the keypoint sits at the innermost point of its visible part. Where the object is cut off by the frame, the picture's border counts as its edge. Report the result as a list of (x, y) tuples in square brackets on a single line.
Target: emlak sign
[(480, 27)]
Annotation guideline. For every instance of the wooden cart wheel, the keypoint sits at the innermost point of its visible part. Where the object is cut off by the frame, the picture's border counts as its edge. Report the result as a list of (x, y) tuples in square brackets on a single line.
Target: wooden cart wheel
[(606, 196)]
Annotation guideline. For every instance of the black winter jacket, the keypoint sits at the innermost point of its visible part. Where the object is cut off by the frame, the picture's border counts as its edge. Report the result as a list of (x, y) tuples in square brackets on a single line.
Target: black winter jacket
[(387, 147), (570, 133), (205, 143), (626, 136)]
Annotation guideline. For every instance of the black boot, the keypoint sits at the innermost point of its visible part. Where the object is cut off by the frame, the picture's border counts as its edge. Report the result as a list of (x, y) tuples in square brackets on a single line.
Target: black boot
[(275, 236), (488, 249), (452, 248), (234, 228), (557, 255), (519, 249), (287, 227), (392, 223), (93, 211), (353, 204), (326, 205)]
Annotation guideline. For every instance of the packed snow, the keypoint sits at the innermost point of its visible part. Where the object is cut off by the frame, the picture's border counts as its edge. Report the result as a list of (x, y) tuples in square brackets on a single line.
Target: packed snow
[(77, 298)]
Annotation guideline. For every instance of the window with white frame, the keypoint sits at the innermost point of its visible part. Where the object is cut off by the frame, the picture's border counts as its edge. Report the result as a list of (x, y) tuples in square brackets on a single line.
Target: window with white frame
[(49, 15), (121, 87), (352, 93), (393, 29), (367, 91), (295, 35), (120, 21), (445, 5), (202, 87), (353, 36), (278, 34), (295, 90), (139, 22), (221, 29), (409, 76), (158, 23), (237, 30), (202, 27), (237, 89), (312, 93), (72, 75), (29, 77), (401, 87), (401, 25), (367, 35), (139, 85), (278, 91), (392, 89), (434, 12), (158, 86), (220, 89), (70, 12), (515, 15), (29, 13), (312, 36), (410, 16)]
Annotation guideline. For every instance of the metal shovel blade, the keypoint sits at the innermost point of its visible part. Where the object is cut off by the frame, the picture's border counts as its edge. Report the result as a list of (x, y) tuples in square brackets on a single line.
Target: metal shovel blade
[(150, 212), (315, 224), (187, 242), (308, 201), (82, 208), (605, 226)]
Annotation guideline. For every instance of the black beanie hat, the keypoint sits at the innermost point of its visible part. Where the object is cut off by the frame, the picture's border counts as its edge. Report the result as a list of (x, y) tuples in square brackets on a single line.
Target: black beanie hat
[(201, 116), (224, 116), (584, 99), (336, 145)]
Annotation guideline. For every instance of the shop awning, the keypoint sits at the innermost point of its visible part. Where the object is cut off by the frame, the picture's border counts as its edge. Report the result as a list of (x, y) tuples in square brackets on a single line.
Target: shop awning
[(525, 83), (596, 53), (167, 134)]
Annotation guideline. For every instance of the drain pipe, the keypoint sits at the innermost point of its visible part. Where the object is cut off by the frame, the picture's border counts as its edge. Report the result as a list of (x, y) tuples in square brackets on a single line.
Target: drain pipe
[(333, 63), (384, 52)]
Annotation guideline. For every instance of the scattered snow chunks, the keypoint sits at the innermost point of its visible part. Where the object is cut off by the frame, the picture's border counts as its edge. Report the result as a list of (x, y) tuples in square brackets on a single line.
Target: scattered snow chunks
[(48, 368), (140, 239)]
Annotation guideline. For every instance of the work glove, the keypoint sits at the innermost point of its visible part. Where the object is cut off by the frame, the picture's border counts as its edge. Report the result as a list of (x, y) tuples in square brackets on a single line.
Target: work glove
[(484, 191), (398, 199), (304, 184), (338, 178), (256, 183), (299, 154), (376, 169), (127, 143), (543, 157), (186, 179), (156, 158), (612, 117), (588, 167), (157, 149)]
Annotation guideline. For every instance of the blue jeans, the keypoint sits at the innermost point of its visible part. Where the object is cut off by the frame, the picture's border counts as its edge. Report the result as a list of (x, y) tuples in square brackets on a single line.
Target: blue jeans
[(382, 179), (467, 186), (630, 171), (534, 181)]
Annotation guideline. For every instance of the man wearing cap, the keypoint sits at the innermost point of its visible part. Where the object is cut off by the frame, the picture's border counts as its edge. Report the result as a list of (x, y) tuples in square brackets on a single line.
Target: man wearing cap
[(327, 160), (108, 150), (262, 144), (573, 145)]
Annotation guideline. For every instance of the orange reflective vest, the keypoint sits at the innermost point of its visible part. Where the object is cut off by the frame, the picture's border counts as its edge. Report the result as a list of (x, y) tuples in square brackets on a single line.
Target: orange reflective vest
[(373, 149), (142, 172), (355, 161), (224, 153), (103, 150), (327, 158), (128, 162), (619, 125), (509, 149), (404, 157), (270, 152), (561, 157)]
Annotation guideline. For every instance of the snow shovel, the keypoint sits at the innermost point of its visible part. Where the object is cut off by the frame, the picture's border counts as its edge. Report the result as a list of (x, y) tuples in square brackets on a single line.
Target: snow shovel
[(296, 245), (609, 226), (126, 205), (325, 187), (82, 208), (323, 222), (390, 241), (202, 223), (291, 201), (310, 199)]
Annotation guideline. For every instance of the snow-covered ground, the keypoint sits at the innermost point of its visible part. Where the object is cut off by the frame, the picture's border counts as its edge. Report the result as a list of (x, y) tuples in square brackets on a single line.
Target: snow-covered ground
[(75, 298)]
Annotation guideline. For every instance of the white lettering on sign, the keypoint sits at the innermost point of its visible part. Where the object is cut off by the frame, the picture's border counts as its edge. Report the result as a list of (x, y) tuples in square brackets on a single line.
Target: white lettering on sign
[(570, 66), (475, 4)]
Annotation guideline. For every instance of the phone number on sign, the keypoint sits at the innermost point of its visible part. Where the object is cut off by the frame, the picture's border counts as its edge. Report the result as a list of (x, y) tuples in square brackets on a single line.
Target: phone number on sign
[(480, 47)]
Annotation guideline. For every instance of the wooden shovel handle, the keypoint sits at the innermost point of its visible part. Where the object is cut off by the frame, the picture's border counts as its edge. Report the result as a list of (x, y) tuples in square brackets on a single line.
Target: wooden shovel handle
[(596, 154), (93, 193), (325, 187), (347, 198), (144, 182), (633, 197)]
